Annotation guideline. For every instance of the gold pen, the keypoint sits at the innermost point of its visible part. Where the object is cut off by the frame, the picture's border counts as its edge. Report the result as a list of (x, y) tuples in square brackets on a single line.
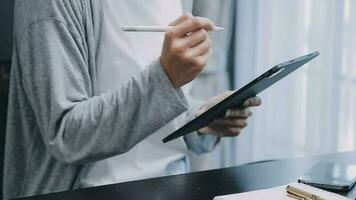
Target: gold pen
[(300, 194)]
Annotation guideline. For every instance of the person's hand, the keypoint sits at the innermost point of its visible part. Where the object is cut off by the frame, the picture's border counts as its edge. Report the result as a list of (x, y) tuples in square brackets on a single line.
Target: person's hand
[(186, 49), (234, 120)]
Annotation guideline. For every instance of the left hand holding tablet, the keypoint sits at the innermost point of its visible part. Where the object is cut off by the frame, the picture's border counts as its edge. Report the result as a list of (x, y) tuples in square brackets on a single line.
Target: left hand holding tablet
[(235, 119)]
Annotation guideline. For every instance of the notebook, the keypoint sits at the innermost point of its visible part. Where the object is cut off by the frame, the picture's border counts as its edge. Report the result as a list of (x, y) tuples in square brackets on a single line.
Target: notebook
[(279, 193)]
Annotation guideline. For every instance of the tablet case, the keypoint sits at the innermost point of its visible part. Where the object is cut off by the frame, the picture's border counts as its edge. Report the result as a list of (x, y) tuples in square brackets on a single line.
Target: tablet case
[(237, 98)]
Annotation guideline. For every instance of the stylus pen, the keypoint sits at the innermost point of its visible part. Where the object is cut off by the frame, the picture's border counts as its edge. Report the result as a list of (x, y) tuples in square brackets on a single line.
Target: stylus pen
[(155, 28)]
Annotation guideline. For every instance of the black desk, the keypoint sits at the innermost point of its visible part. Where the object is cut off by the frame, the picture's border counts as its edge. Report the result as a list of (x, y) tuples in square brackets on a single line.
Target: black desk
[(205, 185)]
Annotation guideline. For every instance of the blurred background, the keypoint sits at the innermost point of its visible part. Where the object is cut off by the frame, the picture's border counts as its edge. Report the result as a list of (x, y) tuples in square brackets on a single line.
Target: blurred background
[(311, 112)]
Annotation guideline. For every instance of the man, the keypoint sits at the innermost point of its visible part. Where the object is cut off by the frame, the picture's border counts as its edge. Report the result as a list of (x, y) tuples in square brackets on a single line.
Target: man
[(63, 113)]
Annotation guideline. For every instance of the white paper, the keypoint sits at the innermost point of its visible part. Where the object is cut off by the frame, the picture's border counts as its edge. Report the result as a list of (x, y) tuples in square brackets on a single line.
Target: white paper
[(279, 193)]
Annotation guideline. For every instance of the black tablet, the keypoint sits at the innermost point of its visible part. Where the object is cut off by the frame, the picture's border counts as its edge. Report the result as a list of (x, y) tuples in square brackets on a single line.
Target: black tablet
[(332, 176), (237, 98)]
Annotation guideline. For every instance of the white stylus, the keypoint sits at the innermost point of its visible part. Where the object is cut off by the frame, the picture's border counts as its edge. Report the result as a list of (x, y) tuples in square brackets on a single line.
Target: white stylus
[(155, 28)]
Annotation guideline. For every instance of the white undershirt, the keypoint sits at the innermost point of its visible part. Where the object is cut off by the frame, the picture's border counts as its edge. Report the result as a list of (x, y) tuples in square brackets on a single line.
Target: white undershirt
[(126, 54)]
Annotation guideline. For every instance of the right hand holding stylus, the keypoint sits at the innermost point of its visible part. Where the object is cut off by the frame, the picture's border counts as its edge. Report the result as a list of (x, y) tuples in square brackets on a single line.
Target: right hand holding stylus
[(186, 49)]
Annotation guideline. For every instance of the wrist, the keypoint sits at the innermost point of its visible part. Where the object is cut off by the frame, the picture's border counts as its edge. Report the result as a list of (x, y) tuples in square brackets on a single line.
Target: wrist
[(166, 71)]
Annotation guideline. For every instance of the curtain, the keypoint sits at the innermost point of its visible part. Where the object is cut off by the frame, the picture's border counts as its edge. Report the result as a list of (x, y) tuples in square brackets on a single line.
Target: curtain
[(215, 77), (312, 111)]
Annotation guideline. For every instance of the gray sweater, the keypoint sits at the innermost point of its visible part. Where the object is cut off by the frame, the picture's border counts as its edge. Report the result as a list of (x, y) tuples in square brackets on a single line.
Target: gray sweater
[(56, 122)]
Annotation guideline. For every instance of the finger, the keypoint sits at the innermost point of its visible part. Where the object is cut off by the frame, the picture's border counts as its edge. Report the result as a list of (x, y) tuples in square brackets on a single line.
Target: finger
[(232, 132), (253, 101), (203, 59), (237, 123), (196, 38), (222, 96), (193, 24), (200, 49), (181, 19), (228, 93), (235, 113)]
